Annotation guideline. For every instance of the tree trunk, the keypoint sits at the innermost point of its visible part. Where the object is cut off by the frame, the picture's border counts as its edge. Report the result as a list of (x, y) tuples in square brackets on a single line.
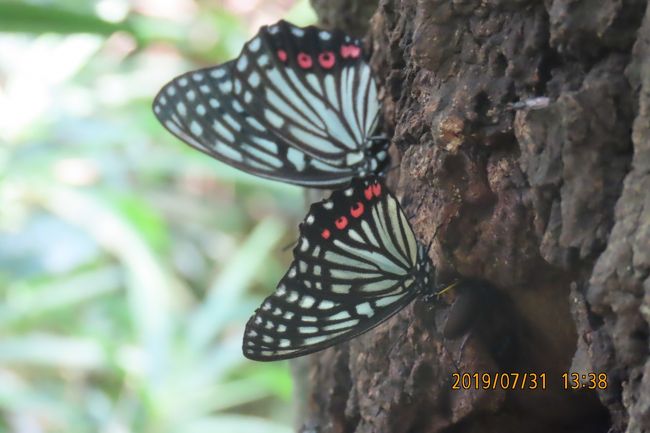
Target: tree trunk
[(543, 204)]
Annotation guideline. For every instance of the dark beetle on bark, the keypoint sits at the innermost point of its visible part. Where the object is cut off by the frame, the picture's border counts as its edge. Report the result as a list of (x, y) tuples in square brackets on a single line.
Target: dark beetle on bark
[(547, 204)]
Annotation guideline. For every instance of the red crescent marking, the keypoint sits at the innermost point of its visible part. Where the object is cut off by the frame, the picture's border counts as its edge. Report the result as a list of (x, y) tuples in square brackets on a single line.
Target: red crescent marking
[(357, 210), (326, 59), (376, 190), (304, 60), (350, 51), (282, 55), (325, 234), (368, 193), (341, 223)]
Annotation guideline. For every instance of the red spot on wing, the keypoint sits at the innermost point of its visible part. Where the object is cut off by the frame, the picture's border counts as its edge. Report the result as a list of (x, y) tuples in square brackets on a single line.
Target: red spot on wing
[(282, 55), (325, 234), (304, 60), (357, 210), (376, 190), (368, 192), (327, 59), (350, 51), (341, 223)]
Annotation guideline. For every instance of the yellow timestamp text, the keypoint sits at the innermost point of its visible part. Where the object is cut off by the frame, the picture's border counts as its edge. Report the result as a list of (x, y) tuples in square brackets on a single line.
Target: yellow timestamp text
[(584, 381), (499, 380)]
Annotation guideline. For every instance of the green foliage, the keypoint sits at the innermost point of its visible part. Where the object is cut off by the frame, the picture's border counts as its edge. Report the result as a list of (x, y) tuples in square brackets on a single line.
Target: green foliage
[(129, 263)]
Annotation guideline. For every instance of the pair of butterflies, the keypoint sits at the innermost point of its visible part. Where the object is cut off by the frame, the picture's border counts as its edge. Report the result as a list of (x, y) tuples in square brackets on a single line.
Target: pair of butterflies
[(300, 105)]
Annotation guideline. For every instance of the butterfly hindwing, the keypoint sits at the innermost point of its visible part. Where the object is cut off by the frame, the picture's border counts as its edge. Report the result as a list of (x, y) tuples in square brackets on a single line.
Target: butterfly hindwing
[(298, 105), (356, 263)]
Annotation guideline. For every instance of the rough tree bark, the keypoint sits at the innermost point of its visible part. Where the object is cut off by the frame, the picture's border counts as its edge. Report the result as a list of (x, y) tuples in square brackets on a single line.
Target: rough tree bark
[(549, 206)]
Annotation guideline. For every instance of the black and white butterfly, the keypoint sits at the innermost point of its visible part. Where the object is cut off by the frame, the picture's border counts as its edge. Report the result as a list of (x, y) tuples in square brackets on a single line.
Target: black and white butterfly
[(357, 262), (298, 105)]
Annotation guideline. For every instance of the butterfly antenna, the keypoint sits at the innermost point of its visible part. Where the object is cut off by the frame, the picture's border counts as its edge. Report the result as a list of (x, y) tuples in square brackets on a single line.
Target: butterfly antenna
[(447, 288)]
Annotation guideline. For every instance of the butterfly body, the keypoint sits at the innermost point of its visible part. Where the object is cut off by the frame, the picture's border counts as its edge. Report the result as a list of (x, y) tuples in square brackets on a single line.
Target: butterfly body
[(356, 264), (298, 105)]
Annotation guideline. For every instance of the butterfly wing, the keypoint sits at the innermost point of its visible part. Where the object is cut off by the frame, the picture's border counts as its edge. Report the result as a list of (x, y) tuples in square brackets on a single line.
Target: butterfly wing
[(298, 105), (357, 263)]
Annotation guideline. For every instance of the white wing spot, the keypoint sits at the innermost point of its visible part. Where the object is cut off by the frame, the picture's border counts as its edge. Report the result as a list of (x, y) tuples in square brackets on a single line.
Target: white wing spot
[(365, 309), (252, 333), (310, 219), (325, 36), (297, 158), (162, 100), (237, 86), (341, 315), (255, 44), (171, 90), (274, 29), (309, 318), (266, 306), (267, 339), (293, 297), (200, 109), (342, 325), (281, 290), (282, 328), (242, 63), (254, 79), (297, 31), (307, 301), (237, 106), (254, 123), (204, 88), (263, 60), (285, 343), (225, 87), (277, 311), (269, 325), (180, 107), (196, 128), (182, 82), (273, 118), (288, 315), (218, 73), (304, 244), (214, 103), (307, 329), (328, 205), (258, 320), (191, 95), (292, 272), (197, 76), (325, 304), (248, 97), (348, 192), (302, 266)]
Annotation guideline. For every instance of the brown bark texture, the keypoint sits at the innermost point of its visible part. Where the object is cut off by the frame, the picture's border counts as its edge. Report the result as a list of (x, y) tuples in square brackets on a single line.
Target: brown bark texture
[(543, 207)]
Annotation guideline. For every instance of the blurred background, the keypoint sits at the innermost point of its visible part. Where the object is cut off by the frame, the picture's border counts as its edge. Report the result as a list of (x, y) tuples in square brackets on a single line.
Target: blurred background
[(129, 263)]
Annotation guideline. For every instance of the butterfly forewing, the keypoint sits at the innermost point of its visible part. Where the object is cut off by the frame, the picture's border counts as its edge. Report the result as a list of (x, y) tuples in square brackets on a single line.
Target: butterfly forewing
[(356, 263), (298, 105)]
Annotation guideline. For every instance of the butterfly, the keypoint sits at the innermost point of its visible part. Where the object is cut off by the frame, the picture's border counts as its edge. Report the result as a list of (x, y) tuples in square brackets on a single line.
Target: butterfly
[(298, 105), (356, 263)]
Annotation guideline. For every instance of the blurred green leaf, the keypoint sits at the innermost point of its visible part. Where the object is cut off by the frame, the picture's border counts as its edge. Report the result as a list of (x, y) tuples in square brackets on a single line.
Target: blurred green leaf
[(67, 292), (42, 18), (229, 286)]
